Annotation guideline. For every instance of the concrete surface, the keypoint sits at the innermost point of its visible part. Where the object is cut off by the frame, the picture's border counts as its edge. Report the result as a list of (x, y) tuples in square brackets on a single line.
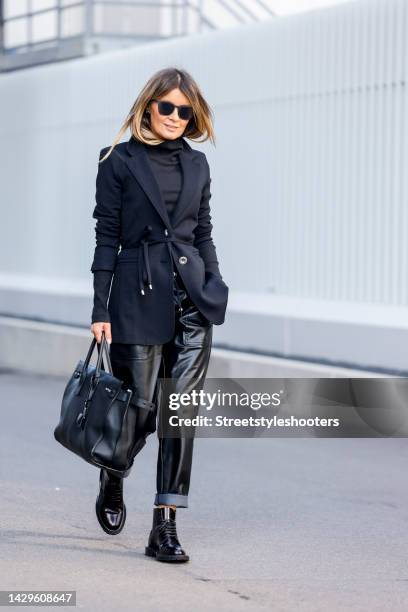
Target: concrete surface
[(272, 524)]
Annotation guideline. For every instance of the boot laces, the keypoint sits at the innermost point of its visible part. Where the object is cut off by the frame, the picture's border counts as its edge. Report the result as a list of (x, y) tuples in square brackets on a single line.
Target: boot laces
[(169, 530)]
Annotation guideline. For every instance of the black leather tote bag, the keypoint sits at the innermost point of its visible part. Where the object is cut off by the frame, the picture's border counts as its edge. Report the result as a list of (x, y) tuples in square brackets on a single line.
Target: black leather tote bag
[(99, 416)]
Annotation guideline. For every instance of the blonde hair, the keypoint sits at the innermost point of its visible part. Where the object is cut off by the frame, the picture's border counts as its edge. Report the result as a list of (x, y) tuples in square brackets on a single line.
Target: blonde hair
[(161, 83)]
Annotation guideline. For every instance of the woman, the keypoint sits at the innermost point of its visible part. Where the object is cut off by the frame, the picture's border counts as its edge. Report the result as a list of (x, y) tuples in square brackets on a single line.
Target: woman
[(158, 312)]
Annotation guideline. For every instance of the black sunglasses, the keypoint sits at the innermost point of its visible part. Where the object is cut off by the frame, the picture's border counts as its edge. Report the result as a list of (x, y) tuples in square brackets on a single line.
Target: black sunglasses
[(185, 112)]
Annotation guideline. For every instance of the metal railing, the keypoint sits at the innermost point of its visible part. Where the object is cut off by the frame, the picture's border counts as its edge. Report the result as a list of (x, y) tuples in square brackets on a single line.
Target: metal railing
[(70, 28)]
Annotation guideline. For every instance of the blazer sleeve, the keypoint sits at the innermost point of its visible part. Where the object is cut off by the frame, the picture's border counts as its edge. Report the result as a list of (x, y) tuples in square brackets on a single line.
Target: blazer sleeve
[(101, 284), (107, 213), (203, 232)]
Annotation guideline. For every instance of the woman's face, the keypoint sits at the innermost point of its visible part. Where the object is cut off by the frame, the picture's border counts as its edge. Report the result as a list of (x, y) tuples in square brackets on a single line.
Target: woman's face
[(169, 126)]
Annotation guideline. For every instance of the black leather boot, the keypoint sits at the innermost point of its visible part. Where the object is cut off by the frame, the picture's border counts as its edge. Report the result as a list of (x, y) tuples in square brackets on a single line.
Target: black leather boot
[(110, 508), (163, 541)]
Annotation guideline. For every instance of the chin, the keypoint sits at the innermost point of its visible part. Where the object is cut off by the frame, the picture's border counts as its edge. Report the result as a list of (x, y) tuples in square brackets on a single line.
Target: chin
[(170, 134)]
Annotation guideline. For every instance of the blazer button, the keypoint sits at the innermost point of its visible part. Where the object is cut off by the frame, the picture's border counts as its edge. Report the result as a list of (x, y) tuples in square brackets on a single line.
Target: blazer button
[(183, 259)]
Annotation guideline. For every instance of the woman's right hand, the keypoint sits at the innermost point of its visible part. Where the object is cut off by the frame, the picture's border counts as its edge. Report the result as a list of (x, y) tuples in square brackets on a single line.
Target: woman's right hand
[(98, 328)]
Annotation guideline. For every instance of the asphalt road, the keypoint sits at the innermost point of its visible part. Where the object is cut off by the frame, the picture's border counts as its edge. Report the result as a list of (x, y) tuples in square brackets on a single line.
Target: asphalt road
[(273, 524)]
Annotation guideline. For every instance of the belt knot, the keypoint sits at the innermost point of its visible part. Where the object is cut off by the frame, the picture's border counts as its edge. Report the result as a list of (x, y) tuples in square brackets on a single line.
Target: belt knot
[(144, 269)]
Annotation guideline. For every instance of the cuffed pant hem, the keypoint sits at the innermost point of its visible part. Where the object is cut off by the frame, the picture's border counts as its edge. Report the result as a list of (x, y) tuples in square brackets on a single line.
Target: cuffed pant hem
[(171, 499)]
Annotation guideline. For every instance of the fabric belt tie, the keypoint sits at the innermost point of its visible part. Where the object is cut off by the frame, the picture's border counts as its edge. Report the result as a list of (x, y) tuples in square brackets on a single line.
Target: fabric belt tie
[(144, 270)]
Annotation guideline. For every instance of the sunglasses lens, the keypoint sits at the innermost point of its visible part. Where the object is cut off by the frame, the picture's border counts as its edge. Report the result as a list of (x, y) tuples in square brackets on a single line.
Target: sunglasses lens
[(165, 108), (185, 112)]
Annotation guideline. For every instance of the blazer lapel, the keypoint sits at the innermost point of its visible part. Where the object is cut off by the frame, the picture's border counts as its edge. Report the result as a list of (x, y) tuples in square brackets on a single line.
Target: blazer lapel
[(139, 164), (190, 167)]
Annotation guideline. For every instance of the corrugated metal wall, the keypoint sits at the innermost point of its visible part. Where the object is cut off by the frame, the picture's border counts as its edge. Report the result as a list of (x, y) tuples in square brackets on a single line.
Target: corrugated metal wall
[(338, 169), (323, 119)]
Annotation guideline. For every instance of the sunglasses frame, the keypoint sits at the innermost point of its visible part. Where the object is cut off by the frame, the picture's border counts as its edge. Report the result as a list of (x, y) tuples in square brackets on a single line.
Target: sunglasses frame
[(174, 106)]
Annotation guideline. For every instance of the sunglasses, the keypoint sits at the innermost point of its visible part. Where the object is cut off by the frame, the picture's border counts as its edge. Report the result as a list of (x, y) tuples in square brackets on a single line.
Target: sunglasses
[(185, 112)]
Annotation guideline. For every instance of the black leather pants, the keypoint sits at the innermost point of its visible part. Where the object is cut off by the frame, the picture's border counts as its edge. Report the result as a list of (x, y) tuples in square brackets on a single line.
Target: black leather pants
[(184, 360)]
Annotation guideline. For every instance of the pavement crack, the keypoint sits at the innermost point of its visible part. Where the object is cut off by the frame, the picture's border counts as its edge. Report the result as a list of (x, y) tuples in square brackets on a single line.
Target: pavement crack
[(240, 595)]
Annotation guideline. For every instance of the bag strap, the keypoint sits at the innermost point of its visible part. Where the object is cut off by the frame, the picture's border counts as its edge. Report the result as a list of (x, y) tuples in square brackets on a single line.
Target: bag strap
[(89, 355), (102, 346), (105, 346)]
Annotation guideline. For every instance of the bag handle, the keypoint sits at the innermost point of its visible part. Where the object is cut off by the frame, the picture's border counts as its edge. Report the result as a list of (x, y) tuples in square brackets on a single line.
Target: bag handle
[(81, 418), (103, 346)]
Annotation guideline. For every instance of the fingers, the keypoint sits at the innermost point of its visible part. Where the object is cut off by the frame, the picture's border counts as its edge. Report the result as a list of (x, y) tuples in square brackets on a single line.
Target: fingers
[(97, 331), (98, 328), (108, 332)]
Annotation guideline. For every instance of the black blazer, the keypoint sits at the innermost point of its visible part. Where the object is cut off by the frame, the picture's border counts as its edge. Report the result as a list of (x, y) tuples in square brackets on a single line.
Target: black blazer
[(131, 215)]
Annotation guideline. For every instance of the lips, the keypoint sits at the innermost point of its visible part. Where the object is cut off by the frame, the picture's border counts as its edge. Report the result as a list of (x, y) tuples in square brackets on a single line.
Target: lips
[(170, 127)]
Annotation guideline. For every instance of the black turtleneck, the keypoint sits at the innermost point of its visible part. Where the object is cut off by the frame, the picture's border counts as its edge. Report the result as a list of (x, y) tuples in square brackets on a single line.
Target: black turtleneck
[(165, 163)]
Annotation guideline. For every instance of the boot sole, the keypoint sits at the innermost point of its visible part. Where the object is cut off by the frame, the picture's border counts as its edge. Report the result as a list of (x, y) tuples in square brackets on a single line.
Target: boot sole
[(102, 524), (150, 552)]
